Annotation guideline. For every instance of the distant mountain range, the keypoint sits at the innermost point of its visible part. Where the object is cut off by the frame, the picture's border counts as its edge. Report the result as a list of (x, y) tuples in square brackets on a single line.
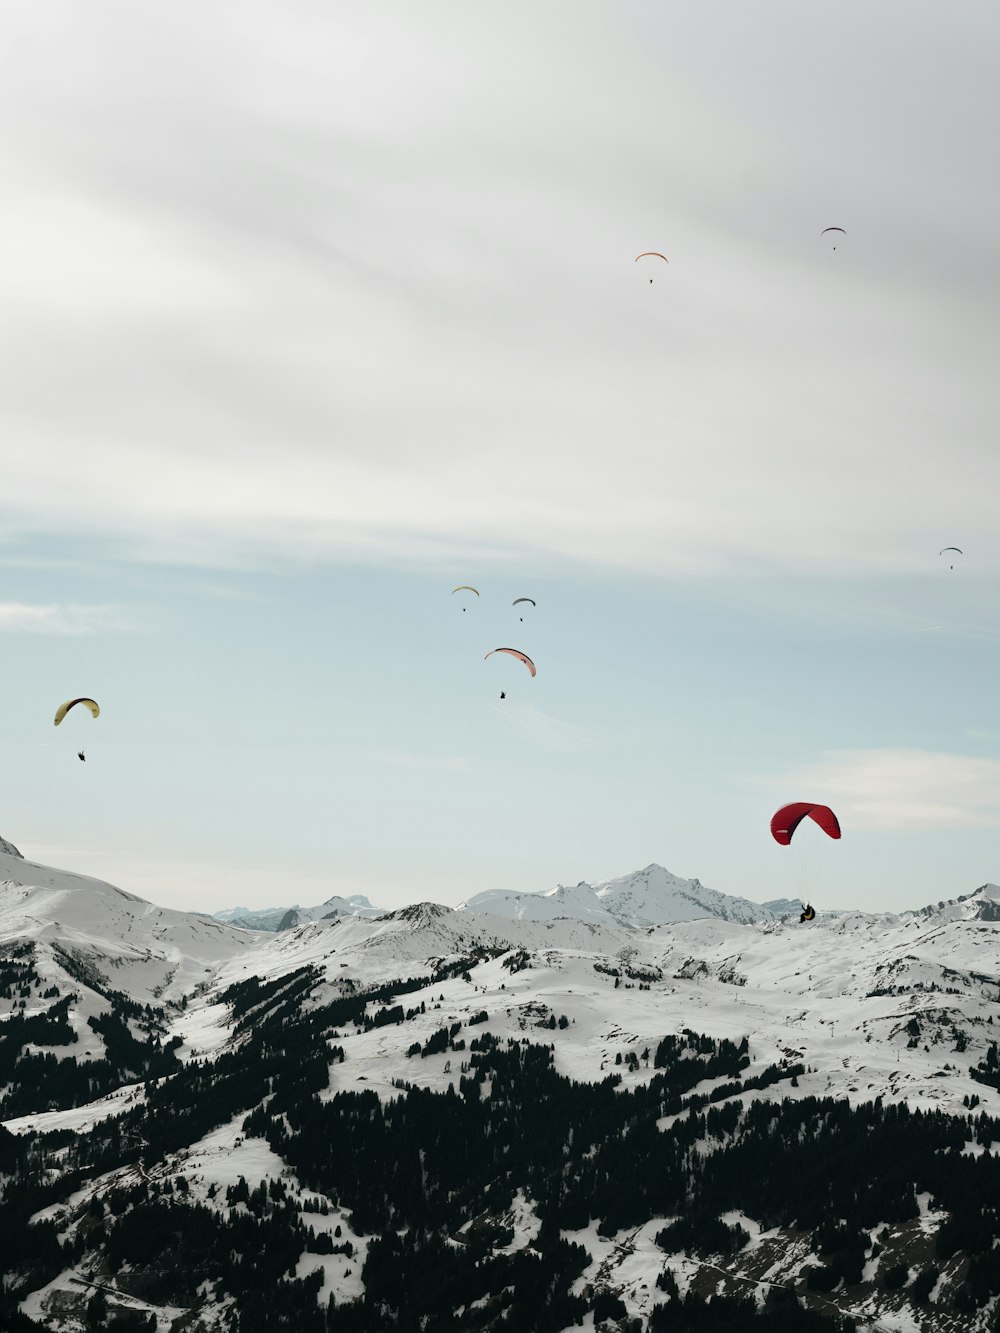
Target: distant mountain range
[(284, 918), (648, 897)]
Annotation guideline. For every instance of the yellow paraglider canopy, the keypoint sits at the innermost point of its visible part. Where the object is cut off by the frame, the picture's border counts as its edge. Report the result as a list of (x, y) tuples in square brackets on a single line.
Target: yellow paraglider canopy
[(63, 709)]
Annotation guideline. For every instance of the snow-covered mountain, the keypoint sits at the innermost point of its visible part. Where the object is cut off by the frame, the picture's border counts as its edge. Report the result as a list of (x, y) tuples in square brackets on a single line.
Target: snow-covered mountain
[(120, 940), (785, 985), (283, 918), (645, 898), (856, 1009), (8, 848)]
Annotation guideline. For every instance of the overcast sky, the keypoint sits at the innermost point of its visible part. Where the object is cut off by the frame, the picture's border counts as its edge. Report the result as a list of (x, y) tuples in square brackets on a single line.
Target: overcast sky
[(310, 312)]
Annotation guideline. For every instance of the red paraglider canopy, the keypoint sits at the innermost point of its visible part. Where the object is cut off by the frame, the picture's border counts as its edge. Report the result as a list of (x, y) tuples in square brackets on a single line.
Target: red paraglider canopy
[(785, 821), (514, 652)]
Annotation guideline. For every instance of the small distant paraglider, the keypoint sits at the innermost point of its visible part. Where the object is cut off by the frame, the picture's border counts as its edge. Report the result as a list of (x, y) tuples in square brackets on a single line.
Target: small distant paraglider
[(652, 254), (80, 755), (957, 549), (840, 229), (464, 587), (518, 600)]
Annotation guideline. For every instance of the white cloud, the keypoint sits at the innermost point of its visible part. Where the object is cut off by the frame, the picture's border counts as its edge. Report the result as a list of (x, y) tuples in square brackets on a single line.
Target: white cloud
[(351, 294), (550, 733), (69, 618), (903, 788)]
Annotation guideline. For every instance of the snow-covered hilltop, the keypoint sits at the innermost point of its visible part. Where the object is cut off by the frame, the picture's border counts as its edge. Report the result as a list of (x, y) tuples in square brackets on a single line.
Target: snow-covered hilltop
[(646, 897)]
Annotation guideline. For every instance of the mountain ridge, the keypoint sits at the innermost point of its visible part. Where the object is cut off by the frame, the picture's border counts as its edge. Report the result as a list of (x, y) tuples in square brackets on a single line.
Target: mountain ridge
[(642, 898)]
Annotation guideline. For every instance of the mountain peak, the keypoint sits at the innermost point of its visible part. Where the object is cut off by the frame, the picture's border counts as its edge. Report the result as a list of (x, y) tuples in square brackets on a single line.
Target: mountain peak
[(648, 897), (421, 914), (8, 849), (986, 902)]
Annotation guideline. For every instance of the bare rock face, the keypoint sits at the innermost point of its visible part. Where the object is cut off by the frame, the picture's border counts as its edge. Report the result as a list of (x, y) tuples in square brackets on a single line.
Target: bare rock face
[(8, 849)]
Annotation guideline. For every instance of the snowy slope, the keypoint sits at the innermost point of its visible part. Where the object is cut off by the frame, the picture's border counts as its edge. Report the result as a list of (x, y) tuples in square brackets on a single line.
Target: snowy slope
[(132, 945), (837, 995), (363, 952)]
